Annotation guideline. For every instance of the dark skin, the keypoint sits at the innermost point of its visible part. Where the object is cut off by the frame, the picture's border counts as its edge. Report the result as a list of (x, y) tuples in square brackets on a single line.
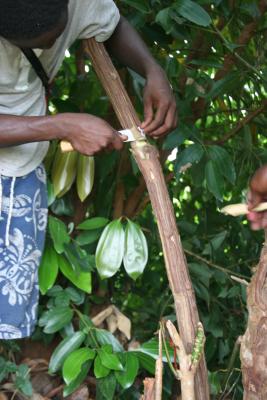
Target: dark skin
[(89, 134), (256, 195)]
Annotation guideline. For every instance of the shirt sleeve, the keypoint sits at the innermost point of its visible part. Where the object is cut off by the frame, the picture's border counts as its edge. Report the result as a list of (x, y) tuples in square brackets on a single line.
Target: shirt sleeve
[(96, 18)]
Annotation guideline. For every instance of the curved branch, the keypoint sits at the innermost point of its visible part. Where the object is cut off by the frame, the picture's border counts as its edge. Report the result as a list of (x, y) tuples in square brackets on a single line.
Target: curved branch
[(239, 126)]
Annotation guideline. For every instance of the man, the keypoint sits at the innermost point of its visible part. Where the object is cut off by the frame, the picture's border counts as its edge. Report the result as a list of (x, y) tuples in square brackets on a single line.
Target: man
[(50, 27)]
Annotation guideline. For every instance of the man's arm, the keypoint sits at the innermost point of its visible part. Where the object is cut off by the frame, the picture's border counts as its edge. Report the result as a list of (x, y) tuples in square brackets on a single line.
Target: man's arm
[(79, 129), (127, 47)]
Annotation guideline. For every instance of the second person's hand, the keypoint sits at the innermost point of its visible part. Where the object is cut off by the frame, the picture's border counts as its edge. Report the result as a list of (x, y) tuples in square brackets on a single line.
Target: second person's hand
[(256, 195)]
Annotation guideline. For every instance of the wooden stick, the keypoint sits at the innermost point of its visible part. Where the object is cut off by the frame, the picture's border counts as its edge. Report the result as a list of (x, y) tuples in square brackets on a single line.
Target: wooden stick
[(147, 159)]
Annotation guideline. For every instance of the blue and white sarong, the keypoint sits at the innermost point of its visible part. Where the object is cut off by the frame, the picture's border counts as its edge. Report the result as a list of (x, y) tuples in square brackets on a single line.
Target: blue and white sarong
[(23, 219)]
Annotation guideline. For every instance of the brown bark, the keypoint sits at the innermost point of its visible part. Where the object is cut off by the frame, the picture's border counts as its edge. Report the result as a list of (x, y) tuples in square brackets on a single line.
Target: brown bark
[(147, 159), (254, 342)]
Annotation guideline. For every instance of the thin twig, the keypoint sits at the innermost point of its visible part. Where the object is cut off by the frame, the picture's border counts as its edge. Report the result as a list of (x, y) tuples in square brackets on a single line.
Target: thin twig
[(240, 125), (211, 264), (159, 370)]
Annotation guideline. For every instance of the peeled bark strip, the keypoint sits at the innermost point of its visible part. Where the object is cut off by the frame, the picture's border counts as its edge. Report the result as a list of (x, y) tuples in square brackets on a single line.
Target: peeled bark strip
[(242, 209), (254, 342), (147, 159)]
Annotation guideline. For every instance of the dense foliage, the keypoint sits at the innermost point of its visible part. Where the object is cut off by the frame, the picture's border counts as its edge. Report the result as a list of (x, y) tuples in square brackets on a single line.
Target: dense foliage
[(214, 55)]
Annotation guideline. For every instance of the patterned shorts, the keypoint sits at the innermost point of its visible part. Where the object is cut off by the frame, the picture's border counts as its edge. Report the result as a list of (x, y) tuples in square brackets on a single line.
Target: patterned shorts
[(23, 218)]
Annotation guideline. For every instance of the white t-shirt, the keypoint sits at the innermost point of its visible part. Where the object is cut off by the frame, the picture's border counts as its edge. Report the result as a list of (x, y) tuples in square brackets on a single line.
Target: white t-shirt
[(21, 91)]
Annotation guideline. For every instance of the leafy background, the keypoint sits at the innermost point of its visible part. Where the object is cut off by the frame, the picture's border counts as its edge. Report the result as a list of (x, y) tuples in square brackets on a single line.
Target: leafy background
[(214, 53)]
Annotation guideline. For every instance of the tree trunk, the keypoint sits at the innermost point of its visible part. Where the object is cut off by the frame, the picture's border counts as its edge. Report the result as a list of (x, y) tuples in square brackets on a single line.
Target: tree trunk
[(254, 342), (147, 159)]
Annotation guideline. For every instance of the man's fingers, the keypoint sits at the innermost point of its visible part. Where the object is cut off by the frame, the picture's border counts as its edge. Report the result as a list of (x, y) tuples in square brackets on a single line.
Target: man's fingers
[(169, 124), (148, 113), (158, 119), (118, 140)]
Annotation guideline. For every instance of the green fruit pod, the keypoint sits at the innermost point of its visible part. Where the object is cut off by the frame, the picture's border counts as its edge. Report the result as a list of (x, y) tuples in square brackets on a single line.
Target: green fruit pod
[(63, 171), (136, 250), (110, 249), (85, 176)]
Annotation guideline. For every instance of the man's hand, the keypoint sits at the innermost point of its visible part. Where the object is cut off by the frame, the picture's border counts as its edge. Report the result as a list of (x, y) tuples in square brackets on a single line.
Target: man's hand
[(159, 105), (256, 195), (159, 102), (88, 134)]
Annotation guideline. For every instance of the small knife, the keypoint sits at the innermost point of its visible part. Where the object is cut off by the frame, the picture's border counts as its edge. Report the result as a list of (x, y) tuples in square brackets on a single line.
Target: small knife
[(130, 136)]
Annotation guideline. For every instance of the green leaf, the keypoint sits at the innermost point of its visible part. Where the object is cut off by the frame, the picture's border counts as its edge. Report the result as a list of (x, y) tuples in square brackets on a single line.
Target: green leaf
[(214, 179), (88, 237), (22, 380), (77, 257), (151, 348), (108, 359), (163, 18), (106, 387), (218, 240), (74, 385), (200, 272), (55, 319), (136, 251), (131, 365), (93, 223), (85, 176), (73, 364), (139, 5), (110, 249), (100, 370), (62, 351), (225, 84), (224, 162), (193, 12), (48, 269), (81, 279), (58, 233), (201, 291), (190, 155), (146, 362), (104, 337)]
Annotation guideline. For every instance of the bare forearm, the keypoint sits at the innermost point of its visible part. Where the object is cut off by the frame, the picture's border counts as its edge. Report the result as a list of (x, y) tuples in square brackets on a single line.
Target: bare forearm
[(15, 130), (127, 47)]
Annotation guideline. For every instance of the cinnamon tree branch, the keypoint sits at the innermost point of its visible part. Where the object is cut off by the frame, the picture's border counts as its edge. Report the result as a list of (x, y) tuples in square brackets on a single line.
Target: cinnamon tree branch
[(146, 200), (147, 160)]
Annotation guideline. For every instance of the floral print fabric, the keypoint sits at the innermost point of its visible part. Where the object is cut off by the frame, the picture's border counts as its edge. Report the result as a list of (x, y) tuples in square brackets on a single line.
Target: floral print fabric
[(19, 261)]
